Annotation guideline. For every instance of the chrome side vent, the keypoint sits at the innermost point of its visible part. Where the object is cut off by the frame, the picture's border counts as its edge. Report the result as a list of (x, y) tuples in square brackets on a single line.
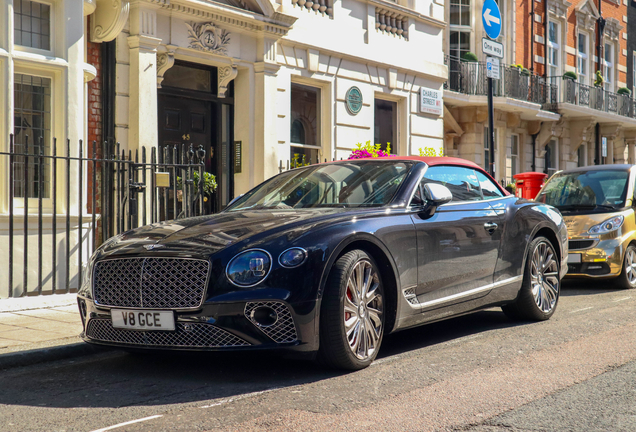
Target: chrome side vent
[(409, 295)]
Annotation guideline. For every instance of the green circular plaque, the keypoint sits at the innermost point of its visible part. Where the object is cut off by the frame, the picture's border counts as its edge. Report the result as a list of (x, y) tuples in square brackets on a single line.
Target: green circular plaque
[(353, 100)]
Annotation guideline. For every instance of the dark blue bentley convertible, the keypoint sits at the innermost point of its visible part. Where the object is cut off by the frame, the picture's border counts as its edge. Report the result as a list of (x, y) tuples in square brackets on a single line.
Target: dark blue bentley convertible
[(326, 260)]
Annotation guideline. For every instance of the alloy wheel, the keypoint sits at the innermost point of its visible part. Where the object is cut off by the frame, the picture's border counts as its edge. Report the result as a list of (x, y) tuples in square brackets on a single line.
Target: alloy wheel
[(544, 276), (363, 309), (630, 266)]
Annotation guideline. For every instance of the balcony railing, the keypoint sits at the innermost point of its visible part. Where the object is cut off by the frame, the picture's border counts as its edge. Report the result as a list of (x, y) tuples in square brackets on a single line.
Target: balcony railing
[(470, 78), (597, 98)]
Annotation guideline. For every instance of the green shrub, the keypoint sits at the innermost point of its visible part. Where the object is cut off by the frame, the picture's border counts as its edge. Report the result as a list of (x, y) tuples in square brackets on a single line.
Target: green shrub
[(624, 91), (571, 75), (470, 57)]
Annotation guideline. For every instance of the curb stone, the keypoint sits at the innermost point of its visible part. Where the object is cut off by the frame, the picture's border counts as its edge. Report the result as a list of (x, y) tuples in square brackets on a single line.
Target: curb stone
[(47, 354)]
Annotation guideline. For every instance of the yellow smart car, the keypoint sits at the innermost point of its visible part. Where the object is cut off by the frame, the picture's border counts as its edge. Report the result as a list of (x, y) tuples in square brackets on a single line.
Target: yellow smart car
[(597, 203)]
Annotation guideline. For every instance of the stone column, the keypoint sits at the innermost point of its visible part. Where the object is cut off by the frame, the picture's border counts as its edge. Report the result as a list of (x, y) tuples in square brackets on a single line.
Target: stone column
[(143, 126), (264, 161)]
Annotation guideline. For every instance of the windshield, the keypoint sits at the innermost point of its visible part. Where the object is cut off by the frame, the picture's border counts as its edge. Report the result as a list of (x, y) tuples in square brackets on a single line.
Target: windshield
[(365, 183), (586, 190)]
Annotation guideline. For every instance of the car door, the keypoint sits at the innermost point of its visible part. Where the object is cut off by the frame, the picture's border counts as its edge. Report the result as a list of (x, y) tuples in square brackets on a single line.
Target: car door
[(457, 246)]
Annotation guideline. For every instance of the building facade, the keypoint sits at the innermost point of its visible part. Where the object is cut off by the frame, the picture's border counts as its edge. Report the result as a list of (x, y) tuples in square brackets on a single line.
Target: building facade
[(262, 84), (551, 110)]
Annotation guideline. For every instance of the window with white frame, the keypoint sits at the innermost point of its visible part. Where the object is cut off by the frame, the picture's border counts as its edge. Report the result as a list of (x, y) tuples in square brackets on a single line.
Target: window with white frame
[(608, 67), (514, 155), (32, 24), (633, 71), (582, 59), (582, 156), (552, 157), (554, 48), (305, 124), (32, 133), (460, 27)]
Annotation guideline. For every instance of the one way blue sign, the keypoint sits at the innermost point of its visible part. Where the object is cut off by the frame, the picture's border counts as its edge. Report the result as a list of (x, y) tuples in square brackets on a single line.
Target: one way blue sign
[(491, 17)]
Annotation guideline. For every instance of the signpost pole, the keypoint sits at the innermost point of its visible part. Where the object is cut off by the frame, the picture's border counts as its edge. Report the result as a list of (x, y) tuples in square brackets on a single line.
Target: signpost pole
[(491, 130)]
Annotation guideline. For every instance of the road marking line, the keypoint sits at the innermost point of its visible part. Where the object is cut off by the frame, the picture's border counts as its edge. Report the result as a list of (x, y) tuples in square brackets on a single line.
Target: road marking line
[(128, 423), (246, 395), (621, 299), (581, 310)]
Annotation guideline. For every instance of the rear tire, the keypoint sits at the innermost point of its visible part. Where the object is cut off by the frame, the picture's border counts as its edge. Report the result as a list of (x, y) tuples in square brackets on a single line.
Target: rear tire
[(541, 287), (627, 278), (352, 313)]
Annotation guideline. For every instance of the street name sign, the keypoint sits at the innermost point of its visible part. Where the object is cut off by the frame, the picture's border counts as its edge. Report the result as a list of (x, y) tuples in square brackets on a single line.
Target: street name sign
[(492, 67), (492, 48), (491, 17)]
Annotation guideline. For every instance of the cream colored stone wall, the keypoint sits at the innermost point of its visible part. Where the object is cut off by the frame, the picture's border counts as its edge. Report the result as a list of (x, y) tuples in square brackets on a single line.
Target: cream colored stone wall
[(64, 64), (331, 53)]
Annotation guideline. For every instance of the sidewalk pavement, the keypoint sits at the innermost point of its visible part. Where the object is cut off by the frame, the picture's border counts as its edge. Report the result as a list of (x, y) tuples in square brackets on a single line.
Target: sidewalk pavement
[(39, 329)]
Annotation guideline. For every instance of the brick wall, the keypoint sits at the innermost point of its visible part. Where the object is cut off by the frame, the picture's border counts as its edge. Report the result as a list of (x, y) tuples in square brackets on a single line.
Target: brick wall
[(94, 57), (609, 9)]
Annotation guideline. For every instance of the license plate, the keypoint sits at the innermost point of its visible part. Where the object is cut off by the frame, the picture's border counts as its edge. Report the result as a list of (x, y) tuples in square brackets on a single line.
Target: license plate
[(574, 258), (142, 319)]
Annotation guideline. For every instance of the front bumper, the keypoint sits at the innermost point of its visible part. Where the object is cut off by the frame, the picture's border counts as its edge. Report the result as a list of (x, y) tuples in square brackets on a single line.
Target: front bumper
[(603, 260), (214, 327)]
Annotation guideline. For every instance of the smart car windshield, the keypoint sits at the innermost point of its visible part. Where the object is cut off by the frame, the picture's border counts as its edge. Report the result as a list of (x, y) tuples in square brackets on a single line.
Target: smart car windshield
[(593, 190), (361, 183)]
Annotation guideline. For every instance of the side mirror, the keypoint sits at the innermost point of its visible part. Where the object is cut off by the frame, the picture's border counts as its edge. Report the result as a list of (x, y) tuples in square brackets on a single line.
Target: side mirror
[(437, 194)]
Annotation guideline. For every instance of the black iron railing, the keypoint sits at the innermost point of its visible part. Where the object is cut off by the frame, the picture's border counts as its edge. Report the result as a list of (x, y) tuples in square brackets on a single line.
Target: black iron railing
[(115, 191), (470, 78), (573, 92)]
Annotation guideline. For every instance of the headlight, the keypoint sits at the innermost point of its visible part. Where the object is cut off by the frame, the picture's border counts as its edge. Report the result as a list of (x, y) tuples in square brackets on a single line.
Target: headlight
[(292, 257), (610, 224), (249, 268)]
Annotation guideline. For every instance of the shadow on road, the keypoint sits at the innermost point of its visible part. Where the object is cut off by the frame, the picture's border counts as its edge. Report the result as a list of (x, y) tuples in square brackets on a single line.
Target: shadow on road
[(117, 379)]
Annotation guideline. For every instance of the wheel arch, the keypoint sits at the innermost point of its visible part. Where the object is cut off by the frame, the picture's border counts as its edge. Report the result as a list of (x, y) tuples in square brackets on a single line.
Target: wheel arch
[(386, 266)]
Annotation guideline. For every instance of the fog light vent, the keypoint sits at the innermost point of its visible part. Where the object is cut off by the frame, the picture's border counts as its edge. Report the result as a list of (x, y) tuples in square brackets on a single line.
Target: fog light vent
[(274, 319)]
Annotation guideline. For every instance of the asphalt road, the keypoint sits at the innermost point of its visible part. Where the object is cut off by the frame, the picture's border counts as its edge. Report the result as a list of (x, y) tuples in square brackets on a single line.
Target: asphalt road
[(480, 372)]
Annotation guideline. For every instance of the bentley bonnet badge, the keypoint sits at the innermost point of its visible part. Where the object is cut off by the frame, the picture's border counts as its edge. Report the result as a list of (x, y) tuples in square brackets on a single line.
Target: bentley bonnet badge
[(153, 246)]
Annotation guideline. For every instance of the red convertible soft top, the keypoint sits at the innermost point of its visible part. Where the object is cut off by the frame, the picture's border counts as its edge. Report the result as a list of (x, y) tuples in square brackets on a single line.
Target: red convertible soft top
[(436, 160)]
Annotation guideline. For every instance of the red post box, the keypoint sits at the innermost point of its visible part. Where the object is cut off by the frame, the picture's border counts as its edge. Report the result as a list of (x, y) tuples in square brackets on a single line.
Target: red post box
[(529, 184)]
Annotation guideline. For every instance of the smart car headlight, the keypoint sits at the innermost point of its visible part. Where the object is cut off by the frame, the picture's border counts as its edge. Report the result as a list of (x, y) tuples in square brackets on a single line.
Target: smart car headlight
[(608, 225), (292, 257), (249, 268)]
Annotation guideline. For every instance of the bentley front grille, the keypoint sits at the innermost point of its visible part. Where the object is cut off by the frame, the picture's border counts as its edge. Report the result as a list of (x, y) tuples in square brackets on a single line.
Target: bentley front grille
[(283, 329), (157, 283), (186, 335)]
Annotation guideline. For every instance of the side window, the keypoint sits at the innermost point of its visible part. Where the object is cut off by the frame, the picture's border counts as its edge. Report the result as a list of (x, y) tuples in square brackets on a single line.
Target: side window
[(417, 199), (462, 182), (488, 188)]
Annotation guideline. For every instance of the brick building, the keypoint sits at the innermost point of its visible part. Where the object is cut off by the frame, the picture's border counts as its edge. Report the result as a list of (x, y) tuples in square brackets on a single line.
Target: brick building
[(555, 44)]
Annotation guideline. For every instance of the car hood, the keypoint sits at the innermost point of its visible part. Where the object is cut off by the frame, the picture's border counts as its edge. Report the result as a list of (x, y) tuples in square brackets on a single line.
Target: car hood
[(578, 225), (210, 234)]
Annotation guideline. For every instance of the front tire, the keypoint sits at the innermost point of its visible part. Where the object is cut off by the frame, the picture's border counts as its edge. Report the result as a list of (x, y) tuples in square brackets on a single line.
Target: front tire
[(539, 294), (627, 278), (352, 313)]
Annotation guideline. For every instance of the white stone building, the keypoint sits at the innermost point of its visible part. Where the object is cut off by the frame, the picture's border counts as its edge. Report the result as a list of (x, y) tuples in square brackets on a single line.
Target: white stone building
[(269, 80)]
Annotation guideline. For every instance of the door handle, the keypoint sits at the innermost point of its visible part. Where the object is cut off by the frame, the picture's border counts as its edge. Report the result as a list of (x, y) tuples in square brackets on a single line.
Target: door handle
[(490, 227)]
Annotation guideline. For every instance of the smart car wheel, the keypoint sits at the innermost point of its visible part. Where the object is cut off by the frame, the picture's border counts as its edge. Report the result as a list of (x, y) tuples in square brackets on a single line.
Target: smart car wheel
[(540, 290), (627, 278), (352, 313)]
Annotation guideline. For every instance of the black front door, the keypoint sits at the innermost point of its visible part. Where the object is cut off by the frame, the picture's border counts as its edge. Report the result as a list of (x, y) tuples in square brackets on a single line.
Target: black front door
[(191, 113), (188, 121)]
